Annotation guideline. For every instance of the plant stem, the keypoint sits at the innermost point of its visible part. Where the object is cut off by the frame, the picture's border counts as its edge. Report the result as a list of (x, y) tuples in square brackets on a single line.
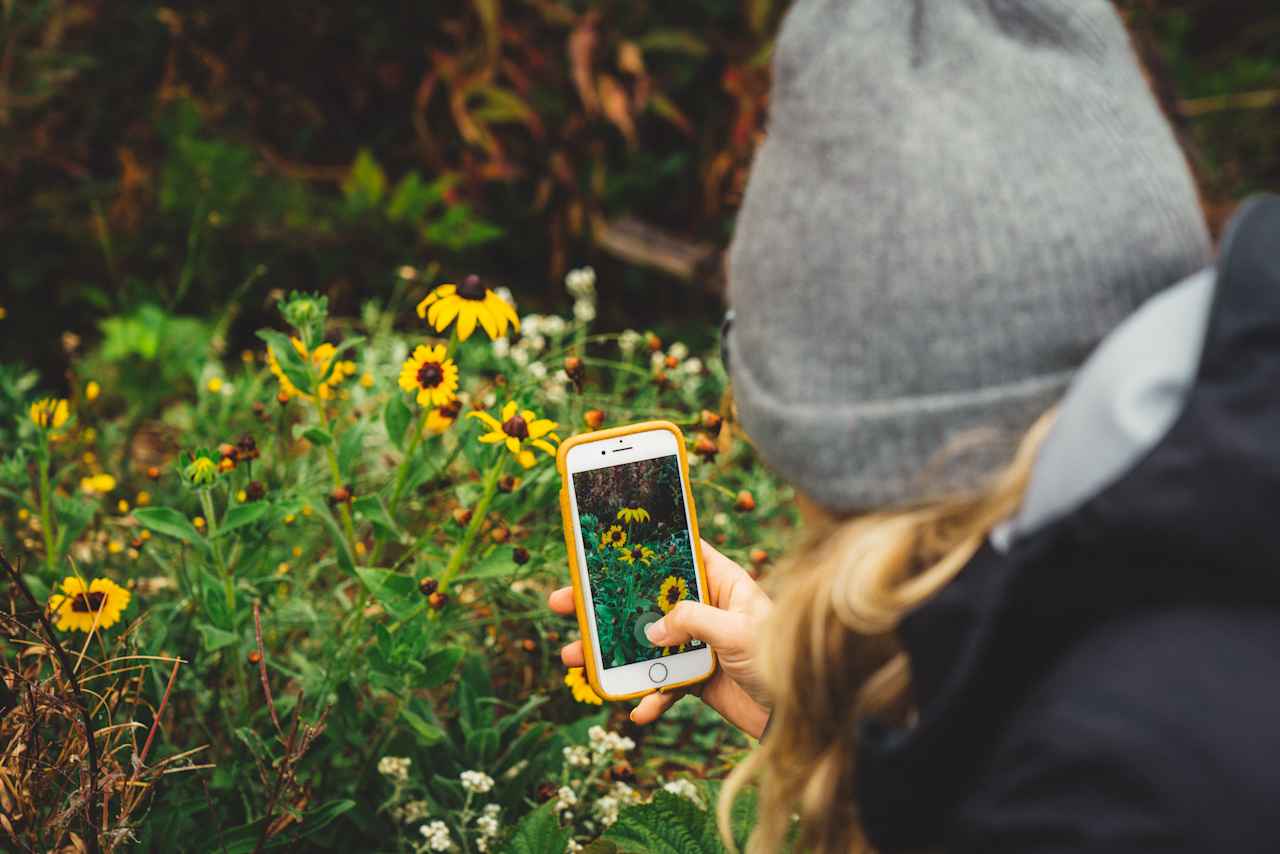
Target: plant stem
[(211, 519), (46, 518), (478, 512), (402, 477), (344, 510)]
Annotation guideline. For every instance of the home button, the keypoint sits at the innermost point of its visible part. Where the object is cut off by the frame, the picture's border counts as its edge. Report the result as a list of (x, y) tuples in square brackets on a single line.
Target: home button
[(658, 672)]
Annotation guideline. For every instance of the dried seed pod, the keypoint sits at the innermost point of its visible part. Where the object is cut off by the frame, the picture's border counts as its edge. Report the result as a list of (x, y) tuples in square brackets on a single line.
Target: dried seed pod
[(228, 451), (520, 555), (529, 645), (710, 421), (671, 362), (653, 342), (255, 491), (462, 515), (153, 472), (428, 586), (546, 791), (438, 600), (759, 556), (341, 495), (255, 658), (745, 503), (227, 464), (247, 447), (706, 447), (260, 411), (576, 370), (499, 534), (593, 418), (282, 398), (621, 772), (508, 483)]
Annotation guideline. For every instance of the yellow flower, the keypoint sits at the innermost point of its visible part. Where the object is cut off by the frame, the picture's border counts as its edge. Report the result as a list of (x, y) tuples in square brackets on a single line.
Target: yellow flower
[(198, 522), (202, 470), (122, 506), (77, 606), (469, 303), (320, 359), (633, 514), (430, 374), (115, 547), (582, 692), (615, 537), (516, 429), (672, 591), (98, 483), (442, 417), (631, 554), (50, 413), (143, 499), (366, 380), (214, 385), (92, 390), (4, 312)]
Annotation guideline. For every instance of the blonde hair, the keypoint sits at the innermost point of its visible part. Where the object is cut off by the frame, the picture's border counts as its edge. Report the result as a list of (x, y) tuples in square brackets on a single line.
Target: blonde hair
[(834, 658)]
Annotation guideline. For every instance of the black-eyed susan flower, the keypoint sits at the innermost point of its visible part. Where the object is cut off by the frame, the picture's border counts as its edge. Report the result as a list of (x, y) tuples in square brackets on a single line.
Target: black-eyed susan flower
[(633, 553), (430, 374), (469, 303), (673, 589), (50, 413), (577, 682), (614, 537), (633, 514), (518, 428), (321, 359), (78, 605), (441, 418), (199, 469)]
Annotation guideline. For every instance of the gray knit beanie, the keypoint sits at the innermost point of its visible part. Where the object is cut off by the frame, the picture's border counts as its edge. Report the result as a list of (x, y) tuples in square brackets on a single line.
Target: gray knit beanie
[(955, 201)]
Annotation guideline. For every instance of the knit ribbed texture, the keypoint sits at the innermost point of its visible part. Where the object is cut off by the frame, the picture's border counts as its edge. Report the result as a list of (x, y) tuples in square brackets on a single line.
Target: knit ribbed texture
[(955, 201)]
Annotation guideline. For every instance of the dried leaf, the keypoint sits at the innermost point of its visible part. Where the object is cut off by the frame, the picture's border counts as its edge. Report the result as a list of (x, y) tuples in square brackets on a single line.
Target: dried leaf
[(582, 44), (617, 108)]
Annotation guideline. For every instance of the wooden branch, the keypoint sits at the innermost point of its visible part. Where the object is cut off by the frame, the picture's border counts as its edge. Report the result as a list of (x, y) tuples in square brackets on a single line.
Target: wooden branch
[(646, 245)]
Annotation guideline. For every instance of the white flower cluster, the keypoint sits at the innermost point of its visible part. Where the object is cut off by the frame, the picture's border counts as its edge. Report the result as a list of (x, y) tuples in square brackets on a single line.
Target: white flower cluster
[(581, 284), (606, 809), (437, 836), (476, 782), (566, 799), (394, 768), (515, 770), (488, 826), (577, 756), (410, 812), (573, 847), (685, 789), (629, 341), (625, 794), (603, 743)]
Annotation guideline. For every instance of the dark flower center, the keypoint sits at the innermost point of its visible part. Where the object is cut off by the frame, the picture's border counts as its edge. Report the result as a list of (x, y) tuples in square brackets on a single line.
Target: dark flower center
[(472, 288), (451, 409), (673, 594), (88, 602), (430, 374), (516, 427), (637, 552)]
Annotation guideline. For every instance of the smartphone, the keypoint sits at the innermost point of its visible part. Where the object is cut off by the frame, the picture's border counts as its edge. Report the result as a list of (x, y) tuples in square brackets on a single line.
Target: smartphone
[(632, 535)]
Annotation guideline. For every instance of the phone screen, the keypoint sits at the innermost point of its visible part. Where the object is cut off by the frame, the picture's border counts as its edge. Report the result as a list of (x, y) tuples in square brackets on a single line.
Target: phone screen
[(635, 534)]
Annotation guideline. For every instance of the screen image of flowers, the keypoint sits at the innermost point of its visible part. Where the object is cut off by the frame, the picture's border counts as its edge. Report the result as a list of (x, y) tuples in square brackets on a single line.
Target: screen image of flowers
[(639, 559)]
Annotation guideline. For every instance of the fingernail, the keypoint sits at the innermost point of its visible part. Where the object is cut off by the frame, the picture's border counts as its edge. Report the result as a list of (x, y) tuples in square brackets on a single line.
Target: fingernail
[(654, 631)]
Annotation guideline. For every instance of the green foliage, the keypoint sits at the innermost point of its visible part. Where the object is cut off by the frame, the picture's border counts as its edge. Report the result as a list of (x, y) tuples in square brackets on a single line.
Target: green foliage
[(539, 833)]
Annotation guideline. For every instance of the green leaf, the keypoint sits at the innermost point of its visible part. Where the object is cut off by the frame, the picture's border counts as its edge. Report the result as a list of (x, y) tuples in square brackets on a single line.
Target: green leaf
[(366, 183), (396, 416), (482, 746), (288, 358), (669, 824), (316, 436), (396, 592), (539, 833), (440, 665), (244, 838), (241, 515), (497, 564), (350, 447), (216, 638), (171, 523), (427, 731), (370, 507), (678, 41)]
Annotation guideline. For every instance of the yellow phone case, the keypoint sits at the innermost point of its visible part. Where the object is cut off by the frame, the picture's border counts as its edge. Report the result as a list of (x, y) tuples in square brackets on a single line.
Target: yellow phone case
[(570, 541)]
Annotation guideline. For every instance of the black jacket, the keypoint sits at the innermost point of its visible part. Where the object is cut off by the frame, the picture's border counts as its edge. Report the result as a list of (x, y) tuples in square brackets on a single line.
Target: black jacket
[(1107, 679)]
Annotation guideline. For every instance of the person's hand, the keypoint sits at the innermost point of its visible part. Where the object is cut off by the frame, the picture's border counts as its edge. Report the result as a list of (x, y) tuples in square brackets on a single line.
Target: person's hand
[(729, 625)]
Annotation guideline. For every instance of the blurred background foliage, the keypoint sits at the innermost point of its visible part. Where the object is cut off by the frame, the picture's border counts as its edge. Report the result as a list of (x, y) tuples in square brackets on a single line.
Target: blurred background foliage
[(190, 160)]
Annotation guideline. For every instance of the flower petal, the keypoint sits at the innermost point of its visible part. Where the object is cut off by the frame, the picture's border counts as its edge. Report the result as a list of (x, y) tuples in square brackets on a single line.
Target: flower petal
[(466, 320), (493, 438), (509, 410), (541, 427), (539, 443), (513, 444), (489, 421), (487, 321), (527, 459)]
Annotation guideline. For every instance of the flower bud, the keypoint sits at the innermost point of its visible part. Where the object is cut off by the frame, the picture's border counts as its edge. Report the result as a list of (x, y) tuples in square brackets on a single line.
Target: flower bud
[(593, 418), (428, 586), (520, 555), (745, 503)]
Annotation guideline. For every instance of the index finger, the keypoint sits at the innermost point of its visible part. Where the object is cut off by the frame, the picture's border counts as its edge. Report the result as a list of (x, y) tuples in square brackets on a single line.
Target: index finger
[(561, 601)]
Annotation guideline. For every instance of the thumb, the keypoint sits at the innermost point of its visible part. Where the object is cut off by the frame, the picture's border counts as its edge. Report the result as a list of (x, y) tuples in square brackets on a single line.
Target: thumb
[(686, 620)]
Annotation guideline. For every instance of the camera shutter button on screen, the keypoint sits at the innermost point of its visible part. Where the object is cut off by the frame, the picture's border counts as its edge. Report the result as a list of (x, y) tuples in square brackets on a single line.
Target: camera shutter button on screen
[(658, 672)]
